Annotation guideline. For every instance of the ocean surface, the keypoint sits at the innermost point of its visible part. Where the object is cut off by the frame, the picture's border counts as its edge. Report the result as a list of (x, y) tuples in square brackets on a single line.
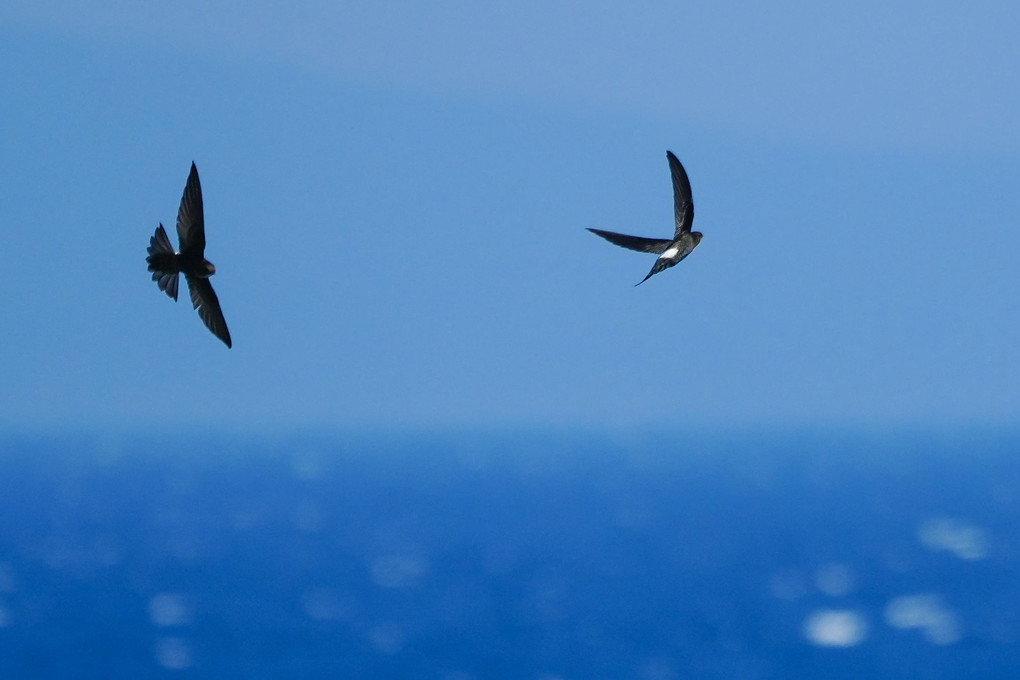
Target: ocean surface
[(535, 557)]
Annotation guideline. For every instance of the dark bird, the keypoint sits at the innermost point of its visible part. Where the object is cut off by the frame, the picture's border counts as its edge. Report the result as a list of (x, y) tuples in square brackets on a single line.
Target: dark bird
[(684, 240), (165, 264)]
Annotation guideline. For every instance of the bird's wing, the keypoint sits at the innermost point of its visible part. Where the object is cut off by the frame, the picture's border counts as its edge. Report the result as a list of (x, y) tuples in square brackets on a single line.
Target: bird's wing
[(683, 203), (639, 243), (204, 299), (190, 221)]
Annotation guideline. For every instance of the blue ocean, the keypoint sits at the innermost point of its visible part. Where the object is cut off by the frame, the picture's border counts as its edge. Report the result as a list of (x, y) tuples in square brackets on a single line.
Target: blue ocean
[(539, 556)]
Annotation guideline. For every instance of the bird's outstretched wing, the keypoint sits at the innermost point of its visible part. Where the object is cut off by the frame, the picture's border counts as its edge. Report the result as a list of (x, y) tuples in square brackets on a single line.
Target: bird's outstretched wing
[(208, 305), (190, 220), (683, 203), (639, 243), (161, 261)]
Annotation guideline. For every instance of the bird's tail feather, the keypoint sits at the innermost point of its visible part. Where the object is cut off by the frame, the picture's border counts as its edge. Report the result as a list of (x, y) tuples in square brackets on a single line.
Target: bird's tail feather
[(162, 262), (167, 281), (659, 265), (159, 244)]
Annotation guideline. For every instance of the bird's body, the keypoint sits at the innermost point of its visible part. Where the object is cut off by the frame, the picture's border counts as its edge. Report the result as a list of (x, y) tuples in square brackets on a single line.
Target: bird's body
[(684, 241), (166, 265)]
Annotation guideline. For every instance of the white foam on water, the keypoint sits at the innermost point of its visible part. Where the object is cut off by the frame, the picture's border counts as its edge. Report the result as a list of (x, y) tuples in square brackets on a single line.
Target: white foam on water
[(835, 580), (174, 653), (966, 541), (169, 609), (835, 628), (937, 623)]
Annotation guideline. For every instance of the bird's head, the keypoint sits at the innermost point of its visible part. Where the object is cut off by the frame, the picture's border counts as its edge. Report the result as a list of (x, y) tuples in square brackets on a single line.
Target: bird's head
[(208, 269), (696, 235)]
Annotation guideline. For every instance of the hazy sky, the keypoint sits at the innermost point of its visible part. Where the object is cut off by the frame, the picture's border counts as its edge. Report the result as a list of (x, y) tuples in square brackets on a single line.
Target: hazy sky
[(396, 195)]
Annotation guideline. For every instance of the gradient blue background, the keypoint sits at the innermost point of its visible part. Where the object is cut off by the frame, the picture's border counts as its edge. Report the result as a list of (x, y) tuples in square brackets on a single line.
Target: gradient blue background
[(452, 440), (396, 195)]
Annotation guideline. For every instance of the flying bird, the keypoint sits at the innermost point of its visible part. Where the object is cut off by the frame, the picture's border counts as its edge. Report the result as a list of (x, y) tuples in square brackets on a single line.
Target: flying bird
[(165, 264), (684, 240)]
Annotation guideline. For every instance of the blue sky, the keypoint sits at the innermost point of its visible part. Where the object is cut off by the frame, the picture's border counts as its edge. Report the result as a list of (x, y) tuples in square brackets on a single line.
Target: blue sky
[(396, 196)]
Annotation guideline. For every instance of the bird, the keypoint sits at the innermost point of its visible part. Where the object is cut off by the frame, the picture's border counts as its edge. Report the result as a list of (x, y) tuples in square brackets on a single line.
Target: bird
[(684, 240), (166, 265)]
